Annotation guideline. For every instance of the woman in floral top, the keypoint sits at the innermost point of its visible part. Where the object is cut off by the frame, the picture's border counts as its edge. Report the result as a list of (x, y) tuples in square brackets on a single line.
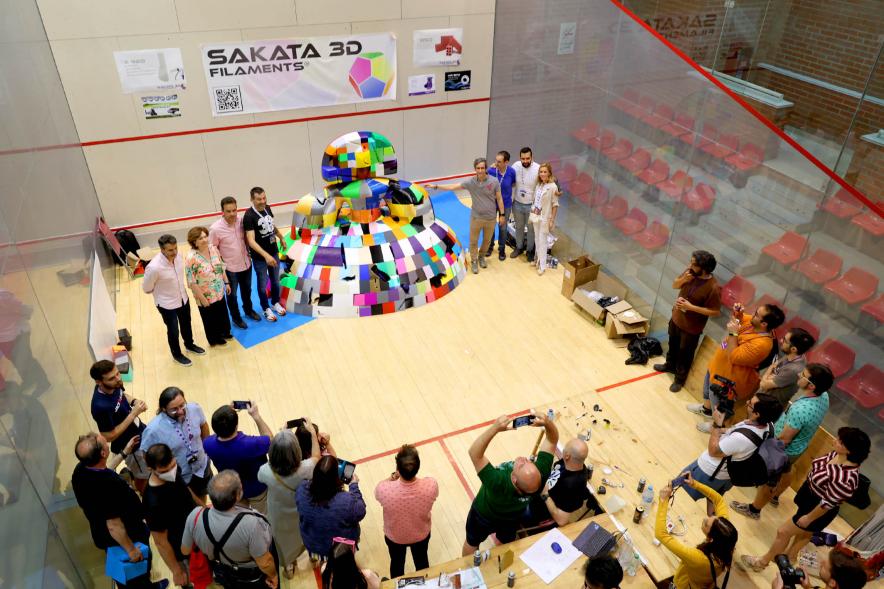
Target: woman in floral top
[(208, 281)]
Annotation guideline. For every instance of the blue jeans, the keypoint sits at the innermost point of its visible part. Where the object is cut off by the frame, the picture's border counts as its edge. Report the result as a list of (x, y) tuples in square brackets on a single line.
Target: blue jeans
[(264, 272), (243, 282), (521, 212), (722, 486)]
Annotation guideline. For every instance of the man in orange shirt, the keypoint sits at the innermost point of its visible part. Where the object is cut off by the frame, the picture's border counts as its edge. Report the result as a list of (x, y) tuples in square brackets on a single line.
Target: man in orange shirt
[(749, 341)]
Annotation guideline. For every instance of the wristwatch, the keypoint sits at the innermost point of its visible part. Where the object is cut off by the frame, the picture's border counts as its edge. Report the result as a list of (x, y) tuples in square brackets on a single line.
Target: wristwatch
[(544, 497)]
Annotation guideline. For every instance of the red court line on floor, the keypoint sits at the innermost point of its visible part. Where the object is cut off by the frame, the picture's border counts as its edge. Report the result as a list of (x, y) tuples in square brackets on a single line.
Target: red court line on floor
[(438, 438), (628, 381), (751, 110), (453, 462)]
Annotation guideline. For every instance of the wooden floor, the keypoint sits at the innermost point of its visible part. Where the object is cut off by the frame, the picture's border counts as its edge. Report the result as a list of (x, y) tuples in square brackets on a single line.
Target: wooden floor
[(504, 341)]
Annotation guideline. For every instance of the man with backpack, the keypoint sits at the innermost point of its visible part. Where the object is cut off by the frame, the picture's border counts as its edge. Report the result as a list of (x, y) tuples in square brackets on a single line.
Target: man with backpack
[(796, 428), (236, 540), (718, 466)]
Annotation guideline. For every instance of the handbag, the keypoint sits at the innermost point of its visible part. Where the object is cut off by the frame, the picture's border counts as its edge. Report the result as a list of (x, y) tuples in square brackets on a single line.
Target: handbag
[(198, 564), (534, 218)]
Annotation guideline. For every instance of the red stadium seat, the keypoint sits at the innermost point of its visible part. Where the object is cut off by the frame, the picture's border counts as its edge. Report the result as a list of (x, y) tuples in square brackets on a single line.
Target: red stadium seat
[(655, 236), (737, 290), (679, 126), (749, 156), (657, 172), (676, 185), (614, 208), (602, 141), (708, 135), (842, 205), (587, 132), (797, 321), (838, 357), (633, 222), (821, 267), (581, 186), (637, 162), (866, 386), (870, 222), (700, 198), (727, 145), (630, 98), (874, 309), (854, 287), (645, 105), (788, 249), (598, 196), (618, 151), (660, 117), (568, 173)]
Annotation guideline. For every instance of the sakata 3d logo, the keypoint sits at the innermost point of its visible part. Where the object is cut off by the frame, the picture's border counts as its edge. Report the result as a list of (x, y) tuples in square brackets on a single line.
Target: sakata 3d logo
[(371, 75)]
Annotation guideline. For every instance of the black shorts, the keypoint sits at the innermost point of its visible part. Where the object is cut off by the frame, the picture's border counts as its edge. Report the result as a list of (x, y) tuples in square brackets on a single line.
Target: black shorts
[(200, 485), (806, 500), (480, 527)]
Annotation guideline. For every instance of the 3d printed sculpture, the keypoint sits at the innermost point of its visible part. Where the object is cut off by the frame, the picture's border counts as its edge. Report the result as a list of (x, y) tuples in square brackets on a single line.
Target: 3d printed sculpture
[(370, 244)]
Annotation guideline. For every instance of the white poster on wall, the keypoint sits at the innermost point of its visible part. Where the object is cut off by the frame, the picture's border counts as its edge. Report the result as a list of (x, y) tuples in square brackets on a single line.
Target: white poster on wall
[(264, 76), (150, 69), (442, 47), (421, 84), (567, 37)]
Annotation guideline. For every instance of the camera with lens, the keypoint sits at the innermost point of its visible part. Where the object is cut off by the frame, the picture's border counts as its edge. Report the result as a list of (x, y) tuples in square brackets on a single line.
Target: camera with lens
[(725, 391), (791, 576)]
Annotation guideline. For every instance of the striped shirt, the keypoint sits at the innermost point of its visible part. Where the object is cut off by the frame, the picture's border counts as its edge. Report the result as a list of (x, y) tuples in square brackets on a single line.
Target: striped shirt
[(833, 483)]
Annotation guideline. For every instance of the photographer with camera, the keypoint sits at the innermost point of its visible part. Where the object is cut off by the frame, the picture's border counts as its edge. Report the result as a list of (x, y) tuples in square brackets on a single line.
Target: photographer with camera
[(837, 571), (731, 445), (699, 298), (832, 479), (700, 566), (748, 343)]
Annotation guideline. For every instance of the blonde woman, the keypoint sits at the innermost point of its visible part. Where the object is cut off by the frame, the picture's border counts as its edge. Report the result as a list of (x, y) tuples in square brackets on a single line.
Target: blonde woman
[(543, 214)]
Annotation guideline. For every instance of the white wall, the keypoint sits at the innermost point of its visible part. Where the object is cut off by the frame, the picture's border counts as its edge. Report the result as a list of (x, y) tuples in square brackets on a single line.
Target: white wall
[(164, 178)]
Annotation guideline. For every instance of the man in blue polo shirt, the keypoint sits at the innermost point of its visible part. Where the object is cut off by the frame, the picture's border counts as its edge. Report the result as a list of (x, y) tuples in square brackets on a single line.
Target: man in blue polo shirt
[(116, 416), (506, 176), (234, 450)]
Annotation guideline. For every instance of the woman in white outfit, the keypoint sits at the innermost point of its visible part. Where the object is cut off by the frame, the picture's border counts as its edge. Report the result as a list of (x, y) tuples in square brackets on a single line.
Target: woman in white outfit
[(282, 475), (546, 205)]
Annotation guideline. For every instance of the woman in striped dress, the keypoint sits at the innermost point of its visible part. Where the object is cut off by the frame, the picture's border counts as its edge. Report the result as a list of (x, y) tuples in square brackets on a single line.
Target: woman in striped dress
[(832, 479)]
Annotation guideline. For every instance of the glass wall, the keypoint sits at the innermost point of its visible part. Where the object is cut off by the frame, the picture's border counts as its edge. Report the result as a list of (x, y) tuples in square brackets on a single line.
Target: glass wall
[(656, 161), (48, 210)]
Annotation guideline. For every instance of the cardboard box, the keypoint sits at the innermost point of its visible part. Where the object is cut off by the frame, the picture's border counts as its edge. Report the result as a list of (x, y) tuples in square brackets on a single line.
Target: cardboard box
[(607, 285), (577, 272), (622, 320)]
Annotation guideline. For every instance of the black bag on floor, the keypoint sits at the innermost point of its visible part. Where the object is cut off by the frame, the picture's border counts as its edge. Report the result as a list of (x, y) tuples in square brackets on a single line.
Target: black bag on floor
[(642, 348), (128, 241)]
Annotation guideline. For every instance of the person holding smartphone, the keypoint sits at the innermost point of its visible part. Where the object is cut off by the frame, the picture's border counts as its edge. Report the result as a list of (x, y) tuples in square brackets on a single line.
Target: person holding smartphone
[(714, 554)]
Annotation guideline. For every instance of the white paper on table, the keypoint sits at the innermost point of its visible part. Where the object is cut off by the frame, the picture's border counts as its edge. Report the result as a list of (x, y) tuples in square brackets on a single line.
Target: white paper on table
[(545, 563)]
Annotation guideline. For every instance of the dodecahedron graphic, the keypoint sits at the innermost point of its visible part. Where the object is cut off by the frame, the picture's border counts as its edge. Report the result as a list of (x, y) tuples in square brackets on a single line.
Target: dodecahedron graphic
[(371, 75)]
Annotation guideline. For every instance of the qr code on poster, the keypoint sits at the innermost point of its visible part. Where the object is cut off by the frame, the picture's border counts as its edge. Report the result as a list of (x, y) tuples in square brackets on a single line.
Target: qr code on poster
[(228, 99)]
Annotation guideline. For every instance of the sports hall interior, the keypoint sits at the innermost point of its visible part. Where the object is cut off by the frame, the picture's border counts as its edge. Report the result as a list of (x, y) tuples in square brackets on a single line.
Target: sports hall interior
[(749, 128)]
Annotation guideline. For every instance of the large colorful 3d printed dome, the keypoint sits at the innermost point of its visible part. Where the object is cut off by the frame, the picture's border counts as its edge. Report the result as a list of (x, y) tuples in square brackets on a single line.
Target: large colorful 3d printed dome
[(370, 244)]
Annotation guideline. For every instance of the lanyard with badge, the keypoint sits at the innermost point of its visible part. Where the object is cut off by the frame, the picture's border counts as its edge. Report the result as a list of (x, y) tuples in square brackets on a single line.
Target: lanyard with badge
[(192, 455), (261, 218), (523, 191)]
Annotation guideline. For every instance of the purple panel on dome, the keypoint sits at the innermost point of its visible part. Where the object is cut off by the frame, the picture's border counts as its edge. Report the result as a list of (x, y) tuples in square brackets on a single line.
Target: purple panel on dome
[(438, 230), (328, 256), (415, 244), (397, 251)]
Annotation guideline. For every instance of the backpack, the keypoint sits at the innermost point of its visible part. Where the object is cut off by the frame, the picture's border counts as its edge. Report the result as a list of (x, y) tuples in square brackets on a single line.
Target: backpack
[(860, 498), (765, 463), (641, 348), (128, 241)]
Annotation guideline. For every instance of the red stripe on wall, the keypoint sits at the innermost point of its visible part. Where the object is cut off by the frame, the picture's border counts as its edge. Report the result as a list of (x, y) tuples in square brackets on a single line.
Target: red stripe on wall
[(739, 100)]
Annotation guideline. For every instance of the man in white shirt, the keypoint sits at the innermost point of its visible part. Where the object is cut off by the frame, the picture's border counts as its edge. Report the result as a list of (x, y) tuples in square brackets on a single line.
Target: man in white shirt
[(164, 279), (526, 170), (763, 409)]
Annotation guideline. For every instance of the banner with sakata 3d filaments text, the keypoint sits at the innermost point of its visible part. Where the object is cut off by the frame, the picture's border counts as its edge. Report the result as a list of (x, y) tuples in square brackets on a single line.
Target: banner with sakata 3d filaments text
[(263, 76)]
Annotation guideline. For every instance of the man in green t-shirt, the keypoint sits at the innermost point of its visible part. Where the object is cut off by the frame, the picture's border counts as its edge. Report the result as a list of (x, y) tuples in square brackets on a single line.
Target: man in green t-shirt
[(506, 489)]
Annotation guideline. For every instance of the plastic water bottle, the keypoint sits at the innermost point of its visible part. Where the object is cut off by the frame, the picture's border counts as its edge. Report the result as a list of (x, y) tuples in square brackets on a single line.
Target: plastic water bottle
[(648, 498)]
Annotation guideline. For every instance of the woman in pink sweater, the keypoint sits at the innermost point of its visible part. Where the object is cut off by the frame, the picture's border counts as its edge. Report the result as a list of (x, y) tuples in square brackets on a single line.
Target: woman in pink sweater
[(407, 501)]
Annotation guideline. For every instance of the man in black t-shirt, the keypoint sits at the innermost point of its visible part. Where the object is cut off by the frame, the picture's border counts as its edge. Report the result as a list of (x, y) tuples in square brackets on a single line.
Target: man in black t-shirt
[(116, 416), (114, 512), (261, 235), (565, 491), (167, 503)]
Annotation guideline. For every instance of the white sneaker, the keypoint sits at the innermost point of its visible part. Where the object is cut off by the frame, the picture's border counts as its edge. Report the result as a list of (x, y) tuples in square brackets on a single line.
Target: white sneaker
[(268, 315), (705, 427), (280, 310), (699, 409)]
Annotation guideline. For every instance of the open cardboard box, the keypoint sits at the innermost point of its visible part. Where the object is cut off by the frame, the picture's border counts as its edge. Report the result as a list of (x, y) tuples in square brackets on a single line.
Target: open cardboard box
[(607, 285), (576, 272), (622, 320)]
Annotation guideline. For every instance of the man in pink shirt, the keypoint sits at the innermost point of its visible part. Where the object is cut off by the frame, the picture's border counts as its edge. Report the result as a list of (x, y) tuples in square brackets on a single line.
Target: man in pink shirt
[(407, 502), (164, 279), (228, 236)]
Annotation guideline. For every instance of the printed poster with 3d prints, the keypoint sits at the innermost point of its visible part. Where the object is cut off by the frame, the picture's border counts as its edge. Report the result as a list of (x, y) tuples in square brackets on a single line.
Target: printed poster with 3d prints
[(438, 47), (264, 76)]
